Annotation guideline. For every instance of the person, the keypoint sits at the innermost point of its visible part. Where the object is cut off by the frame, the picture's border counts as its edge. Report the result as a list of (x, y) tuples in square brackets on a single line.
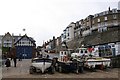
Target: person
[(15, 61), (7, 63)]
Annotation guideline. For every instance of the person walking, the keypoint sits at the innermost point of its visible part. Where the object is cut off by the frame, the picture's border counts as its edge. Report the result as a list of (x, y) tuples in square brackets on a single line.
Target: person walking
[(7, 63), (15, 61)]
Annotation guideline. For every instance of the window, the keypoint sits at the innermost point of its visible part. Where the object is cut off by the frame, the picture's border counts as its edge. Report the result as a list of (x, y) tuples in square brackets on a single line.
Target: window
[(96, 15), (114, 16), (113, 45), (104, 28), (65, 53), (7, 40), (19, 42), (93, 22), (106, 12), (68, 34), (87, 23), (61, 53), (99, 25), (29, 42), (105, 24), (105, 18), (115, 23), (98, 20), (81, 51), (85, 51), (22, 42), (65, 36), (100, 30)]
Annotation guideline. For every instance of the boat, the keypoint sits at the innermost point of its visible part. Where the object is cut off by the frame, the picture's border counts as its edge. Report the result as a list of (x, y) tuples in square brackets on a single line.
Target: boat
[(41, 64), (66, 63), (91, 60)]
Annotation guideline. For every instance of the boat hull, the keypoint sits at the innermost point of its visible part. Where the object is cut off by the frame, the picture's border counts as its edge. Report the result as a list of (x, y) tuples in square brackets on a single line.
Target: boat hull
[(42, 64)]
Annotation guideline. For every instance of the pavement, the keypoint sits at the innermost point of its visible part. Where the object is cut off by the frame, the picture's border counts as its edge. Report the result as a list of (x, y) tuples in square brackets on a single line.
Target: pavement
[(22, 71), (21, 68)]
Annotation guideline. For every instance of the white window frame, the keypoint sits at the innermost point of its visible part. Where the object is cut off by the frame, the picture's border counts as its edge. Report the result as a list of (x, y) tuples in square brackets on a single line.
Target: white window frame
[(114, 16), (98, 19), (105, 18)]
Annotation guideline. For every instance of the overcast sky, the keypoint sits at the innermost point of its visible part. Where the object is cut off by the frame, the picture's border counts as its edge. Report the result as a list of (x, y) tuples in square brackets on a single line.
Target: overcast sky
[(44, 19)]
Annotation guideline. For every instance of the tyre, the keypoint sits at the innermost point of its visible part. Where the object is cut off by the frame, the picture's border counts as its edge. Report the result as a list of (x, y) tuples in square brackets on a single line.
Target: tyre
[(52, 70), (31, 71), (81, 69), (77, 71), (93, 69)]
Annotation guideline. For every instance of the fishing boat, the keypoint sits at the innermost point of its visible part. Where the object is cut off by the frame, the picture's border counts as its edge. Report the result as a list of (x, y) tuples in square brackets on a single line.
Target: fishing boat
[(41, 64), (92, 61), (68, 64)]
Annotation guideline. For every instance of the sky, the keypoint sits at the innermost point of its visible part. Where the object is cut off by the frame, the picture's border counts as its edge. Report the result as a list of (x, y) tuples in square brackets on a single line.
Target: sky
[(44, 19)]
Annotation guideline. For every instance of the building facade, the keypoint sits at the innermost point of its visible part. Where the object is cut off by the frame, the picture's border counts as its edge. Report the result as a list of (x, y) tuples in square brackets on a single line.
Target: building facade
[(98, 28), (10, 45), (104, 20), (25, 47), (68, 33)]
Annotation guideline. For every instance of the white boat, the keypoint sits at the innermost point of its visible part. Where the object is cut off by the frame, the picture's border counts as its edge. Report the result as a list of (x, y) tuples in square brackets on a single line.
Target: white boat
[(97, 61), (40, 64), (91, 60)]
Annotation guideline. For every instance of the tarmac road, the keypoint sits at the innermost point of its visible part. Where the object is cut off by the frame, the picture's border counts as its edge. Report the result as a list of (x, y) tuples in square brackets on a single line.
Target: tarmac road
[(22, 71)]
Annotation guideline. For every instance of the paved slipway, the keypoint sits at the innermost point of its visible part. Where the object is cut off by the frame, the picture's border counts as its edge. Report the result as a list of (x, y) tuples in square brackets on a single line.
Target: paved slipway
[(22, 71)]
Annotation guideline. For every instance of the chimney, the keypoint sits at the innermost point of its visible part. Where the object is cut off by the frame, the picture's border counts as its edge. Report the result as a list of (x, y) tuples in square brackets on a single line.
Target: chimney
[(19, 34), (12, 34), (109, 8)]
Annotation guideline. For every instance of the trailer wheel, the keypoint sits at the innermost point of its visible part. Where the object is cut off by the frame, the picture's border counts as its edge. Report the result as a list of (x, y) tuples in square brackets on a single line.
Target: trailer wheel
[(60, 69), (81, 69), (93, 69), (52, 70), (101, 67), (77, 71), (31, 71)]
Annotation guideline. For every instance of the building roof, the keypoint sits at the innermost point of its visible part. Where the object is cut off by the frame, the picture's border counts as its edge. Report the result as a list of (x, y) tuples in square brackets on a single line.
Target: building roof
[(31, 39)]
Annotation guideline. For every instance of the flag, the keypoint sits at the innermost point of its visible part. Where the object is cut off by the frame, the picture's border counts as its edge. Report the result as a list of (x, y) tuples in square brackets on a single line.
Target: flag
[(90, 49)]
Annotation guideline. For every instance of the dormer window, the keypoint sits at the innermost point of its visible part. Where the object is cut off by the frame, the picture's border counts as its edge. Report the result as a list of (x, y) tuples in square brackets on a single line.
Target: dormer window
[(114, 10), (114, 16), (106, 12)]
